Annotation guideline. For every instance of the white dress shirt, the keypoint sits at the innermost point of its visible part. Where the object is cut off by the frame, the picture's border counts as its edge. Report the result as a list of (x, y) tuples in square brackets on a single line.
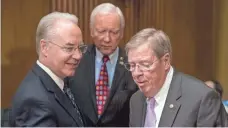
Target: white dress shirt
[(161, 96), (57, 80)]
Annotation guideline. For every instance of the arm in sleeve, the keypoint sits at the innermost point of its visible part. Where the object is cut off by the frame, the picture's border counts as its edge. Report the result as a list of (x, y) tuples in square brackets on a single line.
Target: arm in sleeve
[(33, 113), (211, 111)]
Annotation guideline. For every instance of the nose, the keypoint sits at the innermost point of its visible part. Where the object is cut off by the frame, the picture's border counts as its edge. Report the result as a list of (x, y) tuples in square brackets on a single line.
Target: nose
[(107, 37), (137, 71)]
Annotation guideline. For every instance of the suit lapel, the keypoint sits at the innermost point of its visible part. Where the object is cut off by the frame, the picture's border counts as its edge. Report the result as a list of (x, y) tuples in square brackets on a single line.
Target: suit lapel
[(119, 73), (65, 103), (142, 110), (90, 60), (172, 105), (51, 87)]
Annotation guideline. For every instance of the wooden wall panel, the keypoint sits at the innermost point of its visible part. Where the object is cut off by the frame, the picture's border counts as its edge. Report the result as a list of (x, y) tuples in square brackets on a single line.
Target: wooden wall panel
[(179, 24), (81, 8), (221, 43), (19, 21), (138, 14), (189, 25), (131, 13), (204, 39), (197, 30)]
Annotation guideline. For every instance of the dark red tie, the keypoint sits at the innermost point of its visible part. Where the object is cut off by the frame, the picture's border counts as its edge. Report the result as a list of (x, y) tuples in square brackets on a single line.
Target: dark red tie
[(102, 90)]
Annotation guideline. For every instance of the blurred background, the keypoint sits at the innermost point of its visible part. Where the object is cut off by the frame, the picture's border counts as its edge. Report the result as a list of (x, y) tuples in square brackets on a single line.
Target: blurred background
[(198, 30)]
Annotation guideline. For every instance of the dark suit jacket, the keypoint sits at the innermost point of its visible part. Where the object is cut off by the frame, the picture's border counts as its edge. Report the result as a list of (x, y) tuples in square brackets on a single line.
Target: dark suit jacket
[(5, 117), (40, 102), (195, 105), (116, 111)]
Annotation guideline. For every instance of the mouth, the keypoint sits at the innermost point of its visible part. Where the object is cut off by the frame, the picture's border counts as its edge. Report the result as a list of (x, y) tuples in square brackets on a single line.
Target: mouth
[(72, 65), (106, 47), (140, 83)]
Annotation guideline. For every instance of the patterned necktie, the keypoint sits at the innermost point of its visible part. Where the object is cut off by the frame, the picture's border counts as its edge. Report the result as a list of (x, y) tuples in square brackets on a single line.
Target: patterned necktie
[(102, 90), (150, 120), (69, 94)]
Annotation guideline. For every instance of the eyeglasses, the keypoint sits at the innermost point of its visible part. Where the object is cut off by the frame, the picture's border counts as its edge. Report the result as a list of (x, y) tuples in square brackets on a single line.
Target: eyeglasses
[(143, 66), (70, 50)]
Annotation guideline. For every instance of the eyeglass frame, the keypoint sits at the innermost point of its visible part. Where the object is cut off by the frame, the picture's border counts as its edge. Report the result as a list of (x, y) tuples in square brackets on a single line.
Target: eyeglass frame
[(64, 48), (140, 66)]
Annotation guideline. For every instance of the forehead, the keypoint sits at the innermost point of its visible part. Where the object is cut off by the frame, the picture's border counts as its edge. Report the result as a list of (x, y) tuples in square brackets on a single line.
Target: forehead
[(141, 53), (107, 21), (69, 32)]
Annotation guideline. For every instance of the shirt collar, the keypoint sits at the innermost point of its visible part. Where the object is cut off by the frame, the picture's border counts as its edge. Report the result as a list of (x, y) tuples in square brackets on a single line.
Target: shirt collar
[(57, 80), (112, 57), (163, 92)]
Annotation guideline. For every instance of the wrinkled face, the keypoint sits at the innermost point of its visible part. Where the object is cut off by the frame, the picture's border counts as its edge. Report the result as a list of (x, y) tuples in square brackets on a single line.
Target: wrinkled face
[(106, 32), (62, 53), (151, 78)]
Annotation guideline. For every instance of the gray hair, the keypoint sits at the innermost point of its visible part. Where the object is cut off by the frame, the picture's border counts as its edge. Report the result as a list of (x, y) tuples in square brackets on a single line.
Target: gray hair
[(107, 8), (157, 39), (46, 27)]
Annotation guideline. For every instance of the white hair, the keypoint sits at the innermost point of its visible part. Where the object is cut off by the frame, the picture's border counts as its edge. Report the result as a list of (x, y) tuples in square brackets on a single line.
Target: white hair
[(107, 8), (46, 27), (157, 39)]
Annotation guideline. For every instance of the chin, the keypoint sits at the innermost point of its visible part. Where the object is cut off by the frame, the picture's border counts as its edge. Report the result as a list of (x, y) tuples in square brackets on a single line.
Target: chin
[(145, 90), (142, 89), (71, 73), (106, 51)]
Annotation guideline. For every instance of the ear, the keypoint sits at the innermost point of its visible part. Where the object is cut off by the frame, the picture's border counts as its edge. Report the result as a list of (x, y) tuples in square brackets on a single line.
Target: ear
[(167, 60), (91, 32), (44, 47), (121, 33)]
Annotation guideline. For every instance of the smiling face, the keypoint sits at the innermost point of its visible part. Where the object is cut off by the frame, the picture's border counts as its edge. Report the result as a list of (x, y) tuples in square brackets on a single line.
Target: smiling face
[(61, 62), (106, 32), (149, 81)]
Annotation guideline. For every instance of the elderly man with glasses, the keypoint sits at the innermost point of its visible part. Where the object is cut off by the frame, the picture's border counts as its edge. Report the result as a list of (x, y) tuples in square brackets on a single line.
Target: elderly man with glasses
[(167, 98), (43, 99)]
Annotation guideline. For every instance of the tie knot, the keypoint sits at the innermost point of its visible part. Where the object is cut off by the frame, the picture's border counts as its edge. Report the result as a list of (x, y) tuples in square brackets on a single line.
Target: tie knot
[(105, 59), (151, 102), (66, 83), (65, 80)]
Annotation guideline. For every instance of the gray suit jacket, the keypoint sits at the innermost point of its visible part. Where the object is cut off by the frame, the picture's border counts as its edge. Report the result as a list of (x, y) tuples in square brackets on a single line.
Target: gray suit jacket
[(195, 105)]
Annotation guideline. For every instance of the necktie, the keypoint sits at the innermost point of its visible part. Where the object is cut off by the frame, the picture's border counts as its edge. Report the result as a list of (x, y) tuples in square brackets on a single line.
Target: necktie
[(69, 94), (150, 120), (102, 90)]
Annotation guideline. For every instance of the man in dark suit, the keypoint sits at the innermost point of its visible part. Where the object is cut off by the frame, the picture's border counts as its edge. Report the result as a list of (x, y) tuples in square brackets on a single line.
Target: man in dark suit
[(42, 98), (101, 85), (167, 98)]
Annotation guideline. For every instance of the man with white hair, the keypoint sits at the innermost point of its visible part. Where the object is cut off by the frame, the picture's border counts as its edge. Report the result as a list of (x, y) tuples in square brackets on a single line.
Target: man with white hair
[(166, 97), (43, 99), (102, 86)]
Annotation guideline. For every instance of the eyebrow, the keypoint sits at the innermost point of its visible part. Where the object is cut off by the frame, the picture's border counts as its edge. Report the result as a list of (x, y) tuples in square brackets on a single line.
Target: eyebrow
[(101, 29), (72, 44), (69, 44)]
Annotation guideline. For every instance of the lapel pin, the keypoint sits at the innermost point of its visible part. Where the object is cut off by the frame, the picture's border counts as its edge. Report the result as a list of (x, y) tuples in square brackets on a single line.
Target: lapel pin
[(121, 61), (171, 106)]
